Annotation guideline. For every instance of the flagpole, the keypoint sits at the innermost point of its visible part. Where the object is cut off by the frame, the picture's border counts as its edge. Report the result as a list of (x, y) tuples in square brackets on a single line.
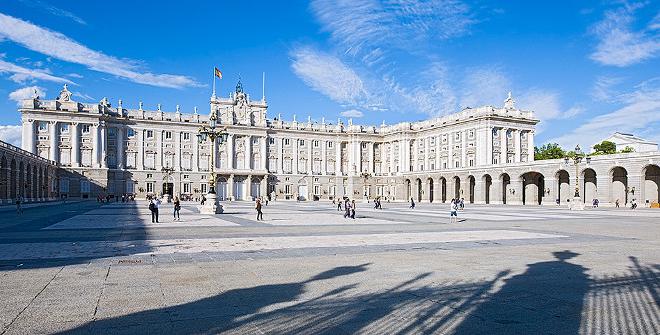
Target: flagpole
[(213, 73)]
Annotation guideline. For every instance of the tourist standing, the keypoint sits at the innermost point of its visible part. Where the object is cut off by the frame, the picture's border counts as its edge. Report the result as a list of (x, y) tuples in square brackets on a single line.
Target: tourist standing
[(347, 208), (353, 209), (616, 203), (153, 207), (338, 205), (177, 209), (412, 203), (260, 214), (453, 211)]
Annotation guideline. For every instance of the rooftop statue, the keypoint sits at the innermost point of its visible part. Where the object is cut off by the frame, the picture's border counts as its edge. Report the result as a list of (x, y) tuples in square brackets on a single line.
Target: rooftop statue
[(65, 95)]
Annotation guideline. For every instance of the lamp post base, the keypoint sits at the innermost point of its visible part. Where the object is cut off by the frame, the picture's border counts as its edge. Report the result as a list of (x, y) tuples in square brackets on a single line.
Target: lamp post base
[(211, 206), (576, 204)]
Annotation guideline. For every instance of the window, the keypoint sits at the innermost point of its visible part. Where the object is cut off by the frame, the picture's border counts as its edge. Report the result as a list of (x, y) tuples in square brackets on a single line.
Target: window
[(84, 186), (168, 135), (287, 142), (255, 140), (203, 188), (316, 143), (457, 136), (186, 136), (150, 187), (301, 143), (85, 129), (496, 161), (271, 140), (43, 126), (471, 162), (186, 188), (330, 144), (149, 175), (64, 128), (457, 164), (509, 134), (432, 166), (471, 134), (130, 133), (150, 134), (364, 145), (287, 189)]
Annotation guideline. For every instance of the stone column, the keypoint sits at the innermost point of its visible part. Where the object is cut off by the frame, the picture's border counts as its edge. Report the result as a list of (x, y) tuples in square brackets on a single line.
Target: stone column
[(415, 155), (248, 185), (324, 153), (496, 191), (450, 152), (634, 180), (195, 156), (503, 146), (392, 168), (338, 162), (309, 158), (264, 155), (516, 145), (351, 155), (28, 134), (403, 156), (549, 198), (370, 153), (427, 165), (178, 150), (104, 145), (280, 155), (464, 148), (230, 152), (158, 159), (294, 166), (96, 146), (54, 141), (230, 187), (479, 196), (75, 145), (263, 187), (120, 148), (516, 197), (248, 152), (437, 190), (530, 146), (489, 146)]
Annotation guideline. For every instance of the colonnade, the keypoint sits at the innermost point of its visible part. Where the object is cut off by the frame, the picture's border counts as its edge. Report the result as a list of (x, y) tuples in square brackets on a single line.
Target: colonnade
[(23, 174)]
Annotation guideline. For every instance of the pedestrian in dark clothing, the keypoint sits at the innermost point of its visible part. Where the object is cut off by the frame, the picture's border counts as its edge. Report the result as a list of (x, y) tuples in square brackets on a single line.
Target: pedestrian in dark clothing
[(260, 215), (412, 203), (203, 200), (177, 209), (153, 207), (339, 205), (353, 209), (347, 209)]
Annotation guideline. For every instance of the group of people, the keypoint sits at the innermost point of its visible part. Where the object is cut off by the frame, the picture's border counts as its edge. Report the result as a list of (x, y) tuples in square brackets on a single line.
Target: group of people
[(154, 207)]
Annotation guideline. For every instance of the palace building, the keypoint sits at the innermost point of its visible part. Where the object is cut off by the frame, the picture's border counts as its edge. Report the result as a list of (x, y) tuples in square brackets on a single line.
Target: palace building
[(485, 155)]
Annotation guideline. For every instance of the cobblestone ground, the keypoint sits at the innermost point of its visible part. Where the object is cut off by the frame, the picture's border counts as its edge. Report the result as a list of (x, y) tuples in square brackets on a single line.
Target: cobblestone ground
[(93, 269)]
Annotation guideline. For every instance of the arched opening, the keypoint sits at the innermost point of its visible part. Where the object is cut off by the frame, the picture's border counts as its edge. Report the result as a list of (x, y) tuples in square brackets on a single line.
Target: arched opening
[(563, 186), (443, 189), (652, 183), (619, 185), (488, 182), (589, 185), (533, 186), (21, 179), (472, 187), (457, 187), (431, 190), (420, 190), (28, 182), (506, 181)]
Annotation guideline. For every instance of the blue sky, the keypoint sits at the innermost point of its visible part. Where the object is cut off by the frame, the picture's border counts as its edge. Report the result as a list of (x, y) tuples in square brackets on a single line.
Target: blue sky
[(587, 68)]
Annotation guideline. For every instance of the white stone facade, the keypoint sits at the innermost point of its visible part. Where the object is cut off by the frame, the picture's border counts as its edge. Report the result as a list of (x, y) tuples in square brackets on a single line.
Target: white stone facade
[(473, 152)]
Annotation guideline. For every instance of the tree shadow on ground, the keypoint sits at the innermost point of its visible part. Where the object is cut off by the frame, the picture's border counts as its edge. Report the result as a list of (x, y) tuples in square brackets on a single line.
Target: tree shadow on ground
[(553, 297)]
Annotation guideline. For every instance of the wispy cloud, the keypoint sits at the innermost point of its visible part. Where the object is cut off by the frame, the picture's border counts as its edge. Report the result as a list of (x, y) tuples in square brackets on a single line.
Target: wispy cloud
[(11, 135), (21, 74), (619, 44), (638, 112), (26, 93), (603, 88), (54, 10), (352, 113), (59, 46), (484, 86), (328, 75)]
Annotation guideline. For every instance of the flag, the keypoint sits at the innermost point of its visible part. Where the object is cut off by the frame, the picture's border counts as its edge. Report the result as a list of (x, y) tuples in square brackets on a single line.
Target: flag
[(218, 73)]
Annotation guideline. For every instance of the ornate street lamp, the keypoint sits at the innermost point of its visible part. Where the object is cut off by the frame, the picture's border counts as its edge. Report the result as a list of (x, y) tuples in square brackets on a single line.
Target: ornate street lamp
[(577, 203), (212, 134)]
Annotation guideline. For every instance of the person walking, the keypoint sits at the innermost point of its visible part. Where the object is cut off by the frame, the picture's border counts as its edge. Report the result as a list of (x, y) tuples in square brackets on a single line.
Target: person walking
[(177, 209), (260, 214), (338, 205), (153, 207), (19, 208), (461, 203), (353, 209), (453, 211), (347, 209), (412, 203), (616, 203), (203, 199)]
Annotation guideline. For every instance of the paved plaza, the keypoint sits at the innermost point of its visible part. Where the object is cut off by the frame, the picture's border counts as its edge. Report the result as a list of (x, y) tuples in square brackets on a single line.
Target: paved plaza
[(89, 268)]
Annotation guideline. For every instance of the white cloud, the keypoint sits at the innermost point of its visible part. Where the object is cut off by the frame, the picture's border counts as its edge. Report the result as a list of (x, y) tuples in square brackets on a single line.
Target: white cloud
[(75, 75), (26, 93), (359, 25), (21, 74), (54, 10), (603, 89), (545, 104), (638, 114), (11, 135), (59, 46), (352, 113), (620, 45), (328, 75), (484, 86), (83, 96)]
